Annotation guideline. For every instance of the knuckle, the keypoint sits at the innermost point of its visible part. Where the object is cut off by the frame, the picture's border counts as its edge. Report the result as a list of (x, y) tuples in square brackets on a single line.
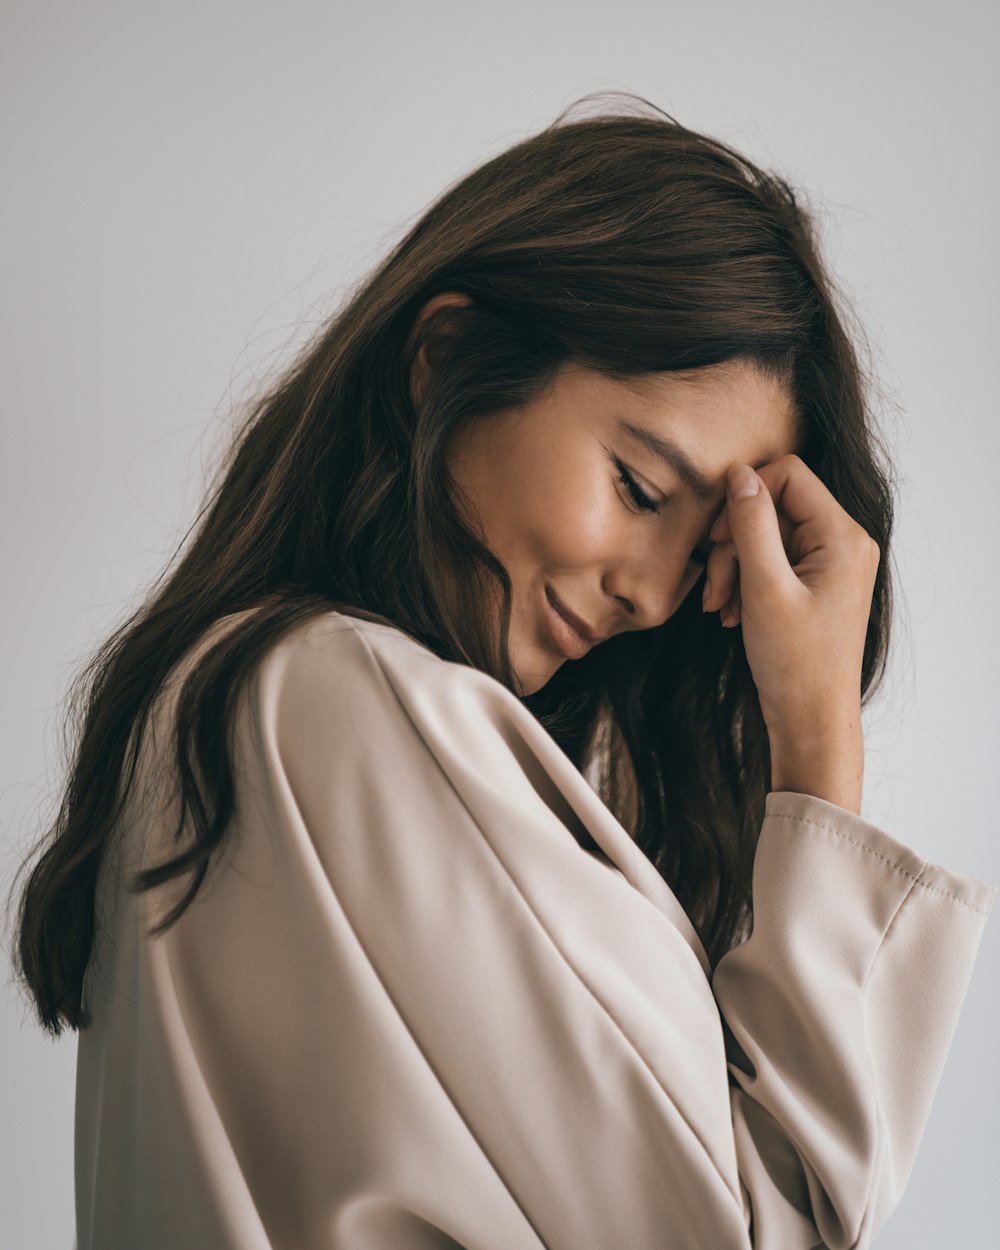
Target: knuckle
[(860, 549), (864, 543), (719, 552), (851, 537)]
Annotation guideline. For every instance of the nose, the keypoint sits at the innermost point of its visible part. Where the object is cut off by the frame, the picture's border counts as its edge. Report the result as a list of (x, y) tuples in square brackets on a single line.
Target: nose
[(651, 587)]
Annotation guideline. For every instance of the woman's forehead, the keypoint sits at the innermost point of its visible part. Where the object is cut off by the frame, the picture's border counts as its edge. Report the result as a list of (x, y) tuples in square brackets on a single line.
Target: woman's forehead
[(696, 419)]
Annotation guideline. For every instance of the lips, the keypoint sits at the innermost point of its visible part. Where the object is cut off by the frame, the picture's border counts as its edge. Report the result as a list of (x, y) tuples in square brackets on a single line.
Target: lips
[(581, 628), (567, 630)]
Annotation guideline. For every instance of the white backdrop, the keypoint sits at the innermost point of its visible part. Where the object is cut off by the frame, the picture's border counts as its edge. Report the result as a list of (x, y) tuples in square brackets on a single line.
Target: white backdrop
[(190, 186)]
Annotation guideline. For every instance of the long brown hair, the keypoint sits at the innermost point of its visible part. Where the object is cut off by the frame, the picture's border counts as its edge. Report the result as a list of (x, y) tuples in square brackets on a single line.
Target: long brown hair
[(622, 241)]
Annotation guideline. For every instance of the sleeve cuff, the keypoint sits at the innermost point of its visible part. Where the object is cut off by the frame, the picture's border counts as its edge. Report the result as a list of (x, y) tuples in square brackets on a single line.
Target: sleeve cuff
[(788, 809)]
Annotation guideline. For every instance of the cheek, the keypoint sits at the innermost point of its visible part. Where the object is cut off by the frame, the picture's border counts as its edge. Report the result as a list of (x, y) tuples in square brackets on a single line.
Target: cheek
[(572, 526)]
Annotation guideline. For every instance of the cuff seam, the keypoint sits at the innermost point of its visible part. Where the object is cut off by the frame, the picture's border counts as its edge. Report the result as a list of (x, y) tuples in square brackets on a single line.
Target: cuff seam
[(917, 880)]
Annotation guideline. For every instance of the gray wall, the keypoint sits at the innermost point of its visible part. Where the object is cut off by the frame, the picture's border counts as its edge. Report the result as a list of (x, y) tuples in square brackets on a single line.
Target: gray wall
[(190, 186)]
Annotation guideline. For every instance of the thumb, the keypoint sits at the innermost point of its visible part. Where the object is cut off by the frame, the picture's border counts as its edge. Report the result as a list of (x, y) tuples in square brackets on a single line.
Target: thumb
[(753, 523)]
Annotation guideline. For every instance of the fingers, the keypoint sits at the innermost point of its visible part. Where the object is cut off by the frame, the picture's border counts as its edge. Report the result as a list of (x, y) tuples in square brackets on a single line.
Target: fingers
[(722, 572), (731, 612), (770, 539), (756, 534), (721, 531), (799, 497), (722, 585), (823, 532)]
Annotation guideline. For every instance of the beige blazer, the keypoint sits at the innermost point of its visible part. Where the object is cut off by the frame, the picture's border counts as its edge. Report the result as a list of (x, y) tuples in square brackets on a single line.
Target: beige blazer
[(408, 1009)]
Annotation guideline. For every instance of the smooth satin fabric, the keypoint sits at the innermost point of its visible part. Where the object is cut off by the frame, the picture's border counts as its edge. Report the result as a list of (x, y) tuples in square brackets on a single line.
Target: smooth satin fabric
[(409, 1009)]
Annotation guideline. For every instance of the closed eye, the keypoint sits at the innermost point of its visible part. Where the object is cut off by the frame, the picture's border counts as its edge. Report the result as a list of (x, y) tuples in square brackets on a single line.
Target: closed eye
[(639, 496), (642, 501)]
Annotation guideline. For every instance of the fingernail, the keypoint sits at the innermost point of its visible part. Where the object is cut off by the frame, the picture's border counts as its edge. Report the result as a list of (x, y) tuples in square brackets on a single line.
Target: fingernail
[(705, 594), (744, 484)]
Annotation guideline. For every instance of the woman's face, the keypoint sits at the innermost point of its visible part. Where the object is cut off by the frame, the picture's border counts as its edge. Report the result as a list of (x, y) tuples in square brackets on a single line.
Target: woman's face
[(548, 485)]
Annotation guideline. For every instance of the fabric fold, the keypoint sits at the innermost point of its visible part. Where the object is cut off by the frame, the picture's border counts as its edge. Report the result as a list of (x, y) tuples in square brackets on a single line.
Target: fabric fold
[(420, 1014)]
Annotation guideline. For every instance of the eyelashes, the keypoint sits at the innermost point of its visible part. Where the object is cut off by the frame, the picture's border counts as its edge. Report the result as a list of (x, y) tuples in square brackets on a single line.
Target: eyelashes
[(643, 502), (640, 498)]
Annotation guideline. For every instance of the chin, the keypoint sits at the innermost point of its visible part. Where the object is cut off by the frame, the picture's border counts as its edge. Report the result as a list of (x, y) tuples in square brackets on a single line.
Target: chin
[(539, 676), (533, 663), (533, 686)]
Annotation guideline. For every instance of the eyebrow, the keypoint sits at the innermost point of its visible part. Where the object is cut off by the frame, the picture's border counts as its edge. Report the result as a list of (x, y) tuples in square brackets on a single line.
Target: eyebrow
[(670, 453)]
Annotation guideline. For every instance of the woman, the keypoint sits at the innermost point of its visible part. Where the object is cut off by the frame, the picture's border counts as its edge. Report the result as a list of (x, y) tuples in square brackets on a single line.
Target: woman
[(464, 846)]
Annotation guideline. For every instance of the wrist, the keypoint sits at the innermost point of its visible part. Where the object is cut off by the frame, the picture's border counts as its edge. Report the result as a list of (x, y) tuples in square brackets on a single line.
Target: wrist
[(826, 761)]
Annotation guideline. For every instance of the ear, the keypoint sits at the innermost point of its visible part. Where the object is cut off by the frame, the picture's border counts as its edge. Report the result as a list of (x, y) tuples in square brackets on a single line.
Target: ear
[(444, 299)]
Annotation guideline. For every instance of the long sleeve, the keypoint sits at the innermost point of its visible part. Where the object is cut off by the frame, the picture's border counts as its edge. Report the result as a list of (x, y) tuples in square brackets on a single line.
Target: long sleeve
[(838, 1012), (409, 1010)]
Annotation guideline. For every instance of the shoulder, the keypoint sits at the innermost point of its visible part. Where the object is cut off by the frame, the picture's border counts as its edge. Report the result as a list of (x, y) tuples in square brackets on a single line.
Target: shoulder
[(371, 729), (338, 635), (342, 651), (358, 679)]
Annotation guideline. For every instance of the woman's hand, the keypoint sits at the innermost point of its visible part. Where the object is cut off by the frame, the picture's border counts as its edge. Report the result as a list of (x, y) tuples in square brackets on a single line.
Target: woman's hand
[(798, 572)]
